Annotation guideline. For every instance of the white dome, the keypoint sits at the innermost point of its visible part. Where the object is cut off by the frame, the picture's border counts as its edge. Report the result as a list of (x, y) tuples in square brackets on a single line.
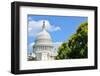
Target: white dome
[(43, 38), (43, 35)]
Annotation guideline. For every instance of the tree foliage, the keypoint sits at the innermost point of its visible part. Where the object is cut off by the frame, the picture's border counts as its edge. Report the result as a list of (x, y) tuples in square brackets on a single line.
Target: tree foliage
[(76, 46)]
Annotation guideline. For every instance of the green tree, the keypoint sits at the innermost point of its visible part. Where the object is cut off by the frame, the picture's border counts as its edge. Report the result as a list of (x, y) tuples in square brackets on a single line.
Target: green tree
[(76, 46)]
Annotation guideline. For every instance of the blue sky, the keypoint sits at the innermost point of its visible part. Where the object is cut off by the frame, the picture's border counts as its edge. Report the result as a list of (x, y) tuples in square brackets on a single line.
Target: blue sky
[(59, 27)]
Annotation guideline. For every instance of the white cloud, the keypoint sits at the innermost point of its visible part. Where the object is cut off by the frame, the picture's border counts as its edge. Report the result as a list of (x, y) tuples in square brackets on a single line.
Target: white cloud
[(31, 44), (35, 26), (29, 18)]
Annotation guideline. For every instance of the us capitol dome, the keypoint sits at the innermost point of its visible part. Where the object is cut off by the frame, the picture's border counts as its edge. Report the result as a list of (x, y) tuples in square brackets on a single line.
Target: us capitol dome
[(43, 45)]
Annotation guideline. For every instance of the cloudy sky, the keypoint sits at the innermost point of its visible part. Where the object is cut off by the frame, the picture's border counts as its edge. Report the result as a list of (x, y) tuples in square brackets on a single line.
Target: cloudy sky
[(59, 27)]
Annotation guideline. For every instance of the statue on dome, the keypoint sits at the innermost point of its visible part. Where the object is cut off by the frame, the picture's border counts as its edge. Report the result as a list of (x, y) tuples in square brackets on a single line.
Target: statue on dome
[(43, 27)]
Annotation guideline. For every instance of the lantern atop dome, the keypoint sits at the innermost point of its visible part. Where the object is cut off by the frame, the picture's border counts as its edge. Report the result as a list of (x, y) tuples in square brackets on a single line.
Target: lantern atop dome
[(43, 27)]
